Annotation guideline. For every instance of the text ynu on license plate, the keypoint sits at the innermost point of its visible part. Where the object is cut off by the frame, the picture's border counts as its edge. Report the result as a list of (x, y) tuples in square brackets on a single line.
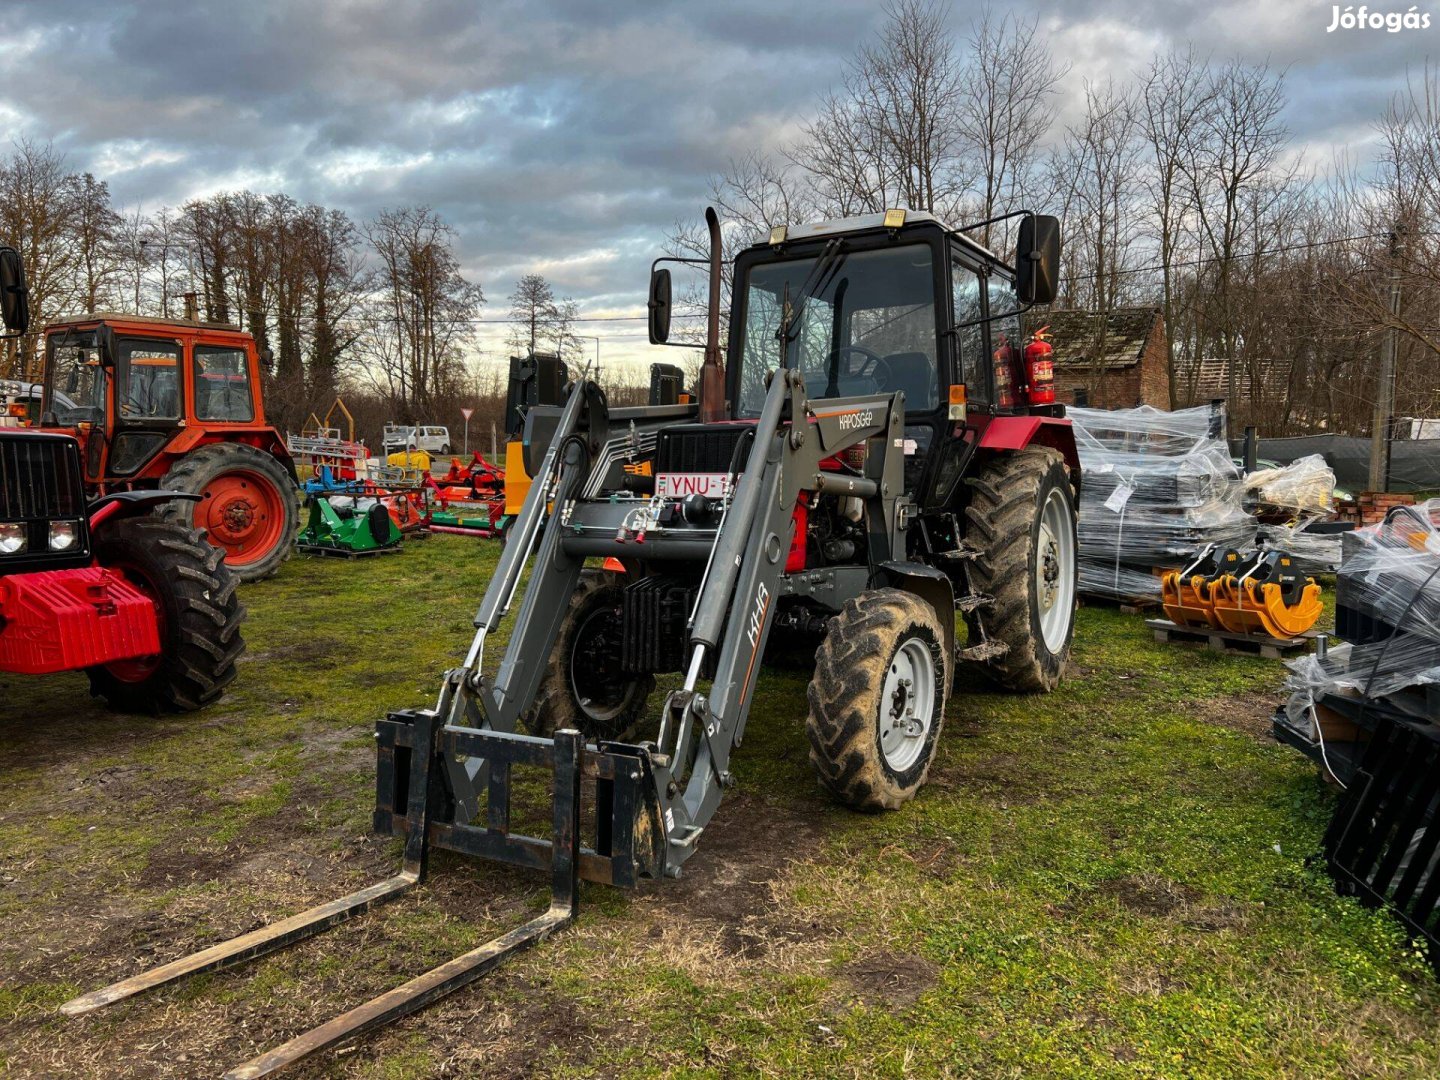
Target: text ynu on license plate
[(679, 485)]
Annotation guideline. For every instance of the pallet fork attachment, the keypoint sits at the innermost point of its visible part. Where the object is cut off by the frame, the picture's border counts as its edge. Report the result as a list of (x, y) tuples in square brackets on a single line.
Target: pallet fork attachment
[(423, 789), (443, 775)]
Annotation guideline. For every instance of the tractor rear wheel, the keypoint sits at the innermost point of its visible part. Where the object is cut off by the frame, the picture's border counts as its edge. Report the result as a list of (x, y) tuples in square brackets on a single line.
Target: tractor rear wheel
[(877, 699), (1022, 518), (197, 608), (247, 505), (583, 686)]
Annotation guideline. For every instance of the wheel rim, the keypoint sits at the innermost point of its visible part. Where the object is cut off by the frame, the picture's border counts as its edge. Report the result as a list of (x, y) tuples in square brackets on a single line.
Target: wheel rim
[(598, 687), (907, 704), (1055, 571), (242, 514), (139, 668)]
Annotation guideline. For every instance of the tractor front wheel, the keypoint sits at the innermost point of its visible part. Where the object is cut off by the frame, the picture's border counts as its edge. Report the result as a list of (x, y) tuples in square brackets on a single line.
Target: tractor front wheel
[(877, 699), (247, 505), (1022, 518), (197, 609), (583, 686)]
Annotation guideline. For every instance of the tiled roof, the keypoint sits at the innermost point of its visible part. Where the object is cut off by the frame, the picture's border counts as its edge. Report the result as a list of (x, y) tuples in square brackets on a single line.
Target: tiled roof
[(1086, 340), (1210, 378)]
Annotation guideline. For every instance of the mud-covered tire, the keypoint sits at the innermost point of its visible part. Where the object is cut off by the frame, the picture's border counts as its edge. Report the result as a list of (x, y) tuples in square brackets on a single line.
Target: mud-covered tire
[(199, 613), (260, 533), (1004, 520), (850, 710), (560, 702)]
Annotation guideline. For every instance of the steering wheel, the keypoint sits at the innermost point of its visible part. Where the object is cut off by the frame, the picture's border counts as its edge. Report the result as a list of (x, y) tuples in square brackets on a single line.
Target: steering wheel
[(874, 365)]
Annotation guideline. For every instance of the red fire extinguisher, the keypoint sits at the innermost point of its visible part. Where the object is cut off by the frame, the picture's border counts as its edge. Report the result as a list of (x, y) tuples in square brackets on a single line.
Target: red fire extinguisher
[(1040, 367)]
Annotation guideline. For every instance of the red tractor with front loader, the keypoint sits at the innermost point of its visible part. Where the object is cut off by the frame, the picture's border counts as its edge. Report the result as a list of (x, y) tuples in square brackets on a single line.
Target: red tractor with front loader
[(879, 459), (177, 405), (144, 606)]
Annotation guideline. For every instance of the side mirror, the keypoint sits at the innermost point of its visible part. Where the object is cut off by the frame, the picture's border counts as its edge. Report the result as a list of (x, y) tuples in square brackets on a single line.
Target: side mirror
[(1037, 259), (659, 305), (14, 299)]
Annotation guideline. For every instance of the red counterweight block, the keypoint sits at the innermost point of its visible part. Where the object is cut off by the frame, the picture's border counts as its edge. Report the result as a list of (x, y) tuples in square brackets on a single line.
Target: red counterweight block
[(63, 620)]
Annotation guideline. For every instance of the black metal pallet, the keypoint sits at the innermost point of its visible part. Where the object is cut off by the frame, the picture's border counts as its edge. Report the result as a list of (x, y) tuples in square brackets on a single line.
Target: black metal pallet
[(1224, 641), (1383, 843)]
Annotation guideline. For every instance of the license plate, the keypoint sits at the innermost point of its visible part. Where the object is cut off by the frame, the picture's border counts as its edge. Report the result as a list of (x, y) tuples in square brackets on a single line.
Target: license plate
[(679, 485)]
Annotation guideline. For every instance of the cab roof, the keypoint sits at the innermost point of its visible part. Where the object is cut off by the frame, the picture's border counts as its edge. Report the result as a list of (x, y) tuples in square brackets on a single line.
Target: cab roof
[(146, 320), (867, 222)]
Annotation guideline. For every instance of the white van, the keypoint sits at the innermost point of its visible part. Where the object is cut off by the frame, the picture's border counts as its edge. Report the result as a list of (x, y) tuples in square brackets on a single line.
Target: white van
[(430, 438)]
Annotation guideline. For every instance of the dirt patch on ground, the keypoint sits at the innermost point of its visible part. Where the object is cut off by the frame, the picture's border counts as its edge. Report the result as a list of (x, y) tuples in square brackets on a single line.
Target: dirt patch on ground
[(1248, 714), (890, 980), (1148, 894), (731, 893)]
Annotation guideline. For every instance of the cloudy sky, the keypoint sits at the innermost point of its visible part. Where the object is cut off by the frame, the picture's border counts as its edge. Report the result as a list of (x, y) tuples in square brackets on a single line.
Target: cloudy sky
[(558, 137)]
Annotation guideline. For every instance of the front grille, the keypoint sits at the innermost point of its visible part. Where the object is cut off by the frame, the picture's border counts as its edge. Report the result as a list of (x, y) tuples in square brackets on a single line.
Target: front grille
[(40, 478), (697, 448)]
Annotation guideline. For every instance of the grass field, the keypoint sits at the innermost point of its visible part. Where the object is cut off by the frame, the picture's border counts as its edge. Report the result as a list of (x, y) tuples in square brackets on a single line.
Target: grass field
[(1108, 881)]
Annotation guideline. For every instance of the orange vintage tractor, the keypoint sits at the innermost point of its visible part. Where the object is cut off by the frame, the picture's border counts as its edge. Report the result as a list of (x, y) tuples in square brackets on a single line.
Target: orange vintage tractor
[(176, 404)]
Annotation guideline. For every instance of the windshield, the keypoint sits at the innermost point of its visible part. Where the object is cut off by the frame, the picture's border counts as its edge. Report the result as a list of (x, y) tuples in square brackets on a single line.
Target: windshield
[(870, 329), (75, 381)]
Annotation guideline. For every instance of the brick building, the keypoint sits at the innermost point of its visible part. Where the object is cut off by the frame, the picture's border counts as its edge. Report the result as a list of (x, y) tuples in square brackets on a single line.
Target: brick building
[(1117, 358)]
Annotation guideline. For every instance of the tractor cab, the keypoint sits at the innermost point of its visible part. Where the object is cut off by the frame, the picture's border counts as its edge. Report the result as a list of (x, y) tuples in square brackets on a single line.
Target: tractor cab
[(176, 404), (898, 302), (131, 386)]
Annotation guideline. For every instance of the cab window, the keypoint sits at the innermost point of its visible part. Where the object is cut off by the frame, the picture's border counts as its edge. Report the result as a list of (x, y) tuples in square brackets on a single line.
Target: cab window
[(148, 385), (970, 340), (222, 384)]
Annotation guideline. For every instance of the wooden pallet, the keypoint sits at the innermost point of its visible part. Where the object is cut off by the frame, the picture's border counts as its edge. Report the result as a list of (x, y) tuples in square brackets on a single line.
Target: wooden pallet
[(1223, 641), (1128, 606)]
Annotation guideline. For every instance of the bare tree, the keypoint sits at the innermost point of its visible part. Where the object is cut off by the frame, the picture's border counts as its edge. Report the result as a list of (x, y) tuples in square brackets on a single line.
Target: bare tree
[(37, 216), (423, 312), (891, 135), (95, 237), (1175, 97), (1007, 105), (1235, 152)]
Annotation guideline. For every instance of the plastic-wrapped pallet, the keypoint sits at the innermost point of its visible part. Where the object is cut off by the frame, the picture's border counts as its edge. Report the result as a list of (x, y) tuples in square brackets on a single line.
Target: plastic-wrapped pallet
[(1157, 486), (1304, 487), (1314, 553), (1387, 610)]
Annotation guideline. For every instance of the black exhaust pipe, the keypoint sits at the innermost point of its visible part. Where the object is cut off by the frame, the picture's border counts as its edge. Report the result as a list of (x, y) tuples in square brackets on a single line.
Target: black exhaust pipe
[(712, 375)]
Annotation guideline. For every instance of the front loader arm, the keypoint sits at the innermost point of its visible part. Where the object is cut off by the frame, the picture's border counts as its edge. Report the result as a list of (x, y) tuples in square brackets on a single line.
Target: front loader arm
[(736, 607)]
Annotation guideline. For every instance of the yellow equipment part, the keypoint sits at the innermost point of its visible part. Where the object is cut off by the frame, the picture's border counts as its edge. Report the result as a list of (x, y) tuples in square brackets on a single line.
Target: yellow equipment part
[(1187, 602), (410, 459), (1187, 593), (1255, 602), (517, 480), (1260, 608)]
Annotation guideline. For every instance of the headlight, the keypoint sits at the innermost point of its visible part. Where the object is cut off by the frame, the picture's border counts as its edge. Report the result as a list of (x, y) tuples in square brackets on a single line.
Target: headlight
[(12, 538), (63, 535)]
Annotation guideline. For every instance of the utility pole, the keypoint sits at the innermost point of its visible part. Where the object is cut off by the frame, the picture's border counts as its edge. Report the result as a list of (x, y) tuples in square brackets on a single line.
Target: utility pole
[(1383, 421)]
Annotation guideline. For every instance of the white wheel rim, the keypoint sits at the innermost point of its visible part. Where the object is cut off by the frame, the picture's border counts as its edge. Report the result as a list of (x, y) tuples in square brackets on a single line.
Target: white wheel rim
[(907, 704), (1055, 571)]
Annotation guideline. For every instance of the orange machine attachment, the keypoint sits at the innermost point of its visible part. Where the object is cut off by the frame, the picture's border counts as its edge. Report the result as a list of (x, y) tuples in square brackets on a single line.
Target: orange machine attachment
[(1268, 596), (1187, 592)]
